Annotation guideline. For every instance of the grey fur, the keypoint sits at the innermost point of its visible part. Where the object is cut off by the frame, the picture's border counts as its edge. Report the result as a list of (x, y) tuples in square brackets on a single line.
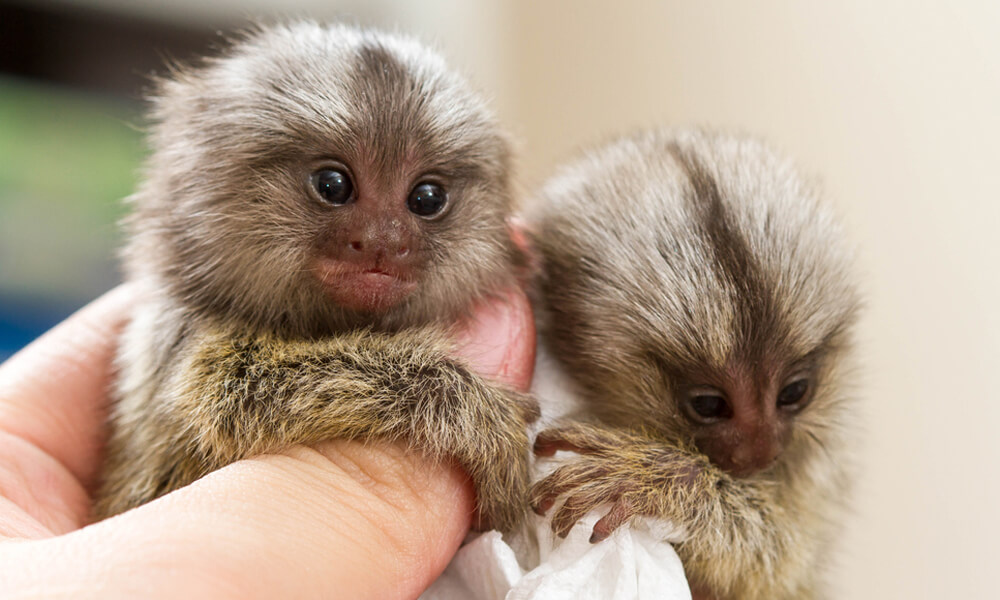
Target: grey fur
[(221, 220), (235, 348), (670, 259)]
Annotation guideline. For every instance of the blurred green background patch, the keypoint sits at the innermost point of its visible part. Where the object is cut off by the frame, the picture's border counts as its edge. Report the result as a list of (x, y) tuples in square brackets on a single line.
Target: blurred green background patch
[(67, 160)]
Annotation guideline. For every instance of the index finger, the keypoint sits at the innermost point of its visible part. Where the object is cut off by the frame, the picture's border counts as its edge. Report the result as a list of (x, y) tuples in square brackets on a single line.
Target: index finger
[(53, 393)]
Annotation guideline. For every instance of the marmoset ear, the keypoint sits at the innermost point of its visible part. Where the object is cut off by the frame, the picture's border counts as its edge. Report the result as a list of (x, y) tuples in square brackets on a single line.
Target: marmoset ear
[(529, 263)]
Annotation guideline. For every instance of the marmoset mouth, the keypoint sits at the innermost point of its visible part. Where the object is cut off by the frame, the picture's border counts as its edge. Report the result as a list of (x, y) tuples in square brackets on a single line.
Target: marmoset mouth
[(371, 289)]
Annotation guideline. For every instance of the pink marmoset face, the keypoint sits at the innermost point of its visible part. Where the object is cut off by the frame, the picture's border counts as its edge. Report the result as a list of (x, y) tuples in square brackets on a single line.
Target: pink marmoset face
[(743, 422), (373, 254), (322, 178)]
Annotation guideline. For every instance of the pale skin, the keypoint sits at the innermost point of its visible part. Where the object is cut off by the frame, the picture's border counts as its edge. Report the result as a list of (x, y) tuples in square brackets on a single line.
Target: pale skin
[(339, 519)]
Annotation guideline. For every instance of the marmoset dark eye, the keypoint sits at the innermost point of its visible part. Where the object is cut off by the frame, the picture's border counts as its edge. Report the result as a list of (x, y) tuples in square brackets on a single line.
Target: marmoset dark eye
[(333, 186), (427, 200), (794, 395), (707, 407)]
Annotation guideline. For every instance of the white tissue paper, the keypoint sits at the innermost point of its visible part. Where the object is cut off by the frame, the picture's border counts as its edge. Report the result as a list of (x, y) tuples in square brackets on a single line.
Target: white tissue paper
[(634, 563)]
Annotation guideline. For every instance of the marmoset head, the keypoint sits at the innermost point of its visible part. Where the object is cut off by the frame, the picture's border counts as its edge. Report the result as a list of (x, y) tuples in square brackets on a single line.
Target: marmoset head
[(695, 287), (315, 178)]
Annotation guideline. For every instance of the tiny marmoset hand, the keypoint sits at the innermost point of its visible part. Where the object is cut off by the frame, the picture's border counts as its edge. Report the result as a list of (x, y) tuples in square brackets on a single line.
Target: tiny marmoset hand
[(635, 473), (320, 206)]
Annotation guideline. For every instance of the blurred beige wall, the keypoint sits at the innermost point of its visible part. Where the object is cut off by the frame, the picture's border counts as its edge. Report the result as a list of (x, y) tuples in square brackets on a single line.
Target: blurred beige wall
[(896, 107)]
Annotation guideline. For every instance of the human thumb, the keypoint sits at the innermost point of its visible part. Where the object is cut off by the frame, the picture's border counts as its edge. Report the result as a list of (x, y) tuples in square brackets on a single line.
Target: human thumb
[(340, 520)]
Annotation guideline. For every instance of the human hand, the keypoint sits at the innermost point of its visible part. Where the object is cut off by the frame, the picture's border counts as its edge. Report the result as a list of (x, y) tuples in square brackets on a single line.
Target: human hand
[(339, 519)]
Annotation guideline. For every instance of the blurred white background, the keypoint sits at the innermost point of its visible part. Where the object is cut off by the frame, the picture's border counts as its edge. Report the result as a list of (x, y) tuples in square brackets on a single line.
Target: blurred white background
[(894, 105)]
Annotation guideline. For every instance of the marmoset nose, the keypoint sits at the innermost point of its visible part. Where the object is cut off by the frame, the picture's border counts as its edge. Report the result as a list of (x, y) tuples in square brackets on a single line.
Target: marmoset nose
[(752, 437), (374, 241), (756, 452), (379, 243)]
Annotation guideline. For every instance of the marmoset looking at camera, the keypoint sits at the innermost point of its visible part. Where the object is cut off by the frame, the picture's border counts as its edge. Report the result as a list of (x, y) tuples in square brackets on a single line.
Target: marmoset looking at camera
[(703, 300), (320, 205)]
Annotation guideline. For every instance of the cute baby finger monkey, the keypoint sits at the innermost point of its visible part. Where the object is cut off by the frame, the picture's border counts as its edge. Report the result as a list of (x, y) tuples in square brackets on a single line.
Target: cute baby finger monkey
[(319, 205), (703, 300)]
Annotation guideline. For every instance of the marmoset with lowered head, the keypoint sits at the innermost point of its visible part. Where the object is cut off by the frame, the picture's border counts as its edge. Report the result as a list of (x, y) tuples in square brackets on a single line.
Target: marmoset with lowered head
[(320, 205), (703, 301)]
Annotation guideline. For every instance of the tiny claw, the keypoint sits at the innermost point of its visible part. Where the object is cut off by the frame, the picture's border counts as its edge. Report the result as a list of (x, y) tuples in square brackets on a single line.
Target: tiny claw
[(542, 507), (620, 513), (530, 411), (598, 537), (564, 531), (544, 449)]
